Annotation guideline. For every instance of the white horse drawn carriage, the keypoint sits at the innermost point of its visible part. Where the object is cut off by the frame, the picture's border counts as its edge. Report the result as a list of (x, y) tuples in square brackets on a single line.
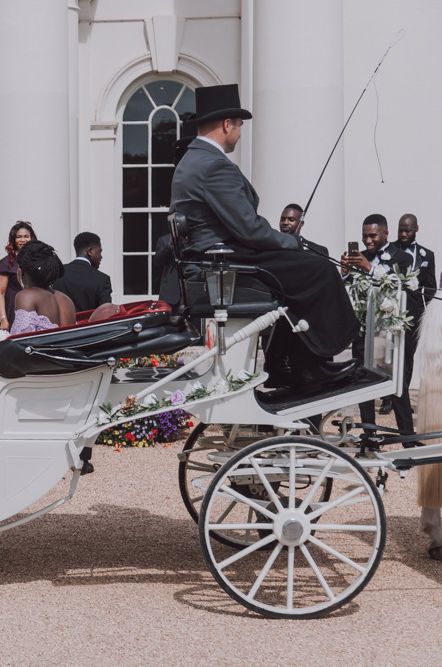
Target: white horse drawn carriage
[(291, 522)]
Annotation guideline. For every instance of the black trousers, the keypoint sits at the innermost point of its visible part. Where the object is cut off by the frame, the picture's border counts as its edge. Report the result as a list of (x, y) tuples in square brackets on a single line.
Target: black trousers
[(401, 404)]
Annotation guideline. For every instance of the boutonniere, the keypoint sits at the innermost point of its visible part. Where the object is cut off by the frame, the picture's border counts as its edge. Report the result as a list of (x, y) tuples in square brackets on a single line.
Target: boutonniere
[(424, 265), (422, 252), (385, 257)]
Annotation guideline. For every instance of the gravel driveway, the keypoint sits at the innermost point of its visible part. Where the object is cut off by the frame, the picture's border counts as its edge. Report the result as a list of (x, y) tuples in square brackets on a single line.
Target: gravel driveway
[(116, 578)]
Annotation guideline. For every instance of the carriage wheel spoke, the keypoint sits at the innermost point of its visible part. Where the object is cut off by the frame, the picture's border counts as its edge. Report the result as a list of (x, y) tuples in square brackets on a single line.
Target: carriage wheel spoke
[(226, 512), (290, 575), (239, 526), (245, 552), (335, 503), (265, 570), (247, 501), (200, 467), (317, 483), (292, 478), (265, 482), (352, 527), (197, 499), (310, 560), (337, 554)]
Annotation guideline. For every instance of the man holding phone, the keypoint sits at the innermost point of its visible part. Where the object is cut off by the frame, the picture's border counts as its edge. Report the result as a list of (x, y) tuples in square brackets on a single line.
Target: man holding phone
[(379, 251)]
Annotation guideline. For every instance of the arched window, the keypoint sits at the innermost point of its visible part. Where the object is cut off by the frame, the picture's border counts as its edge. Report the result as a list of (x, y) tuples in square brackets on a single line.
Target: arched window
[(152, 124)]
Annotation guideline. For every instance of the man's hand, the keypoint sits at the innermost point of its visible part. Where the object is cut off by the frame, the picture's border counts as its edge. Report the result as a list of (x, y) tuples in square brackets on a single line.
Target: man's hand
[(345, 264), (358, 261)]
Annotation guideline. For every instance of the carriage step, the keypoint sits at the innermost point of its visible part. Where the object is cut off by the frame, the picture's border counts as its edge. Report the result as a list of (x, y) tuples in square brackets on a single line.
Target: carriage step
[(282, 399)]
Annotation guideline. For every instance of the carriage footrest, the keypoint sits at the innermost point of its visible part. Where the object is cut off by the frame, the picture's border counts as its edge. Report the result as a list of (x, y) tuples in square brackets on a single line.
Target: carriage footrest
[(283, 399)]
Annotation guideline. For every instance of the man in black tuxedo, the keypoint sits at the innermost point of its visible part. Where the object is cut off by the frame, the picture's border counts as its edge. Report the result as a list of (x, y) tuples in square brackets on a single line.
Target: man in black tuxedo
[(380, 252), (88, 288), (82, 281), (221, 206), (423, 261)]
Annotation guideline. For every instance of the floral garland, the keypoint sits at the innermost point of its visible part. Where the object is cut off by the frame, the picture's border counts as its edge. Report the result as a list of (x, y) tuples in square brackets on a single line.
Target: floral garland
[(151, 403), (152, 361), (386, 308)]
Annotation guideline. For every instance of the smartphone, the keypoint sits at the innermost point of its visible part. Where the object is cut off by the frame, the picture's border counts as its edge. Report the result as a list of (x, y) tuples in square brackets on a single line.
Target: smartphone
[(353, 248)]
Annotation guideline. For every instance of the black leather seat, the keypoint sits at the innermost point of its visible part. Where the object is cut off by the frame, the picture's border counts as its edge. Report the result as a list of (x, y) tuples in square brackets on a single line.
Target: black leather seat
[(251, 298)]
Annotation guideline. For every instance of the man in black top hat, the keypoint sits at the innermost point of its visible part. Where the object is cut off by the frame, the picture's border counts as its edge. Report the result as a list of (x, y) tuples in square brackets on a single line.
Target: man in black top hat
[(221, 206)]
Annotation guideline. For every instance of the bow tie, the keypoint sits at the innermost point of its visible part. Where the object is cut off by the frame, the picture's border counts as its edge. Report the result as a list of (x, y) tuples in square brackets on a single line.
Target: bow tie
[(372, 255)]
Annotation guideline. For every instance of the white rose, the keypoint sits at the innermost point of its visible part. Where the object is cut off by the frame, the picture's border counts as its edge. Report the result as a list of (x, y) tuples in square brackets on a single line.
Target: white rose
[(413, 283), (387, 305), (102, 419), (422, 252), (379, 271), (243, 376), (197, 386), (385, 257), (150, 399)]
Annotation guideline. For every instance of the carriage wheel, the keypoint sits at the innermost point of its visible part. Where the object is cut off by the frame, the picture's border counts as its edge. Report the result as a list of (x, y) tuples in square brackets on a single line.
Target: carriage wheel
[(204, 451), (319, 553)]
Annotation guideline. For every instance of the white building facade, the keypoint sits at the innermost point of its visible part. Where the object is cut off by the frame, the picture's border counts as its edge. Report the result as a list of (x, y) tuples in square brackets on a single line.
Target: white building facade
[(94, 94)]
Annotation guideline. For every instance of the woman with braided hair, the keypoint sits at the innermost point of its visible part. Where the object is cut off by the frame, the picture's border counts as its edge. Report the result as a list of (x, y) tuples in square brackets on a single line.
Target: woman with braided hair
[(38, 306)]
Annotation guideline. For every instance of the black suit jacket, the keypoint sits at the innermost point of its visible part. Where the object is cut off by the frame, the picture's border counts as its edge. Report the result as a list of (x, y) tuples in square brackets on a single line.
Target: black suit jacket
[(87, 287), (427, 277), (403, 260), (220, 204)]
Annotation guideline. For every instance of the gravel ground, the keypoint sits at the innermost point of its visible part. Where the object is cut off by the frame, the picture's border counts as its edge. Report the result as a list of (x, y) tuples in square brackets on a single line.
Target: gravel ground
[(116, 578)]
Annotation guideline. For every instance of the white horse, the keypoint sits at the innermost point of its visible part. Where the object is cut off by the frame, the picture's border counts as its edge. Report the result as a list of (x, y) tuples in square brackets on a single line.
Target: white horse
[(430, 419)]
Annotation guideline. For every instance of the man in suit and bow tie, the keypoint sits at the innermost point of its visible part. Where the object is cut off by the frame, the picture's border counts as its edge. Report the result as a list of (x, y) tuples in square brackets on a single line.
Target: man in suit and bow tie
[(423, 261), (82, 281), (380, 252), (221, 206)]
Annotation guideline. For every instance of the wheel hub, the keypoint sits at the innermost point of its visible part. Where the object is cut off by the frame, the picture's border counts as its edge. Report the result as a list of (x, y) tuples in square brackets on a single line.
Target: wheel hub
[(292, 527)]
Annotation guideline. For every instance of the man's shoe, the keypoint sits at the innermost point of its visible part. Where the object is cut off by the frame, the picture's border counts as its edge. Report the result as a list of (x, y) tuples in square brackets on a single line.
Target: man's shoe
[(322, 375), (277, 380), (339, 365), (386, 406), (435, 553), (412, 443), (87, 468)]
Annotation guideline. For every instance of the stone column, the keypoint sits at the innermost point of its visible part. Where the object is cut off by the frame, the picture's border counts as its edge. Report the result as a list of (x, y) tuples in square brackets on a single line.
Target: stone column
[(34, 119), (298, 112)]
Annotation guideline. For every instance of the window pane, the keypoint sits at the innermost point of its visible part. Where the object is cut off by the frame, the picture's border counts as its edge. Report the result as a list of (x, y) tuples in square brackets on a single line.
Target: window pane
[(135, 275), (134, 187), (161, 182), (160, 227), (186, 104), (164, 135), (138, 107), (135, 144), (164, 92), (135, 232)]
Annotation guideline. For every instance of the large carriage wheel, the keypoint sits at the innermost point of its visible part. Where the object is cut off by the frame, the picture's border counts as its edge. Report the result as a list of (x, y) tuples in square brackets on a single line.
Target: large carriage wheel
[(204, 451), (306, 557)]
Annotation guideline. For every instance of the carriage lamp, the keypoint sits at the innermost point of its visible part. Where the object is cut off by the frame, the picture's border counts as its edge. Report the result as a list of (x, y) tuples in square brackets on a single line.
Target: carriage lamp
[(221, 287)]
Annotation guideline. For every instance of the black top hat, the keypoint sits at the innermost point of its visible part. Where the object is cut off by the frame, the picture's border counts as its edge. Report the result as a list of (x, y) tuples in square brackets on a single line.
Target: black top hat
[(219, 102)]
